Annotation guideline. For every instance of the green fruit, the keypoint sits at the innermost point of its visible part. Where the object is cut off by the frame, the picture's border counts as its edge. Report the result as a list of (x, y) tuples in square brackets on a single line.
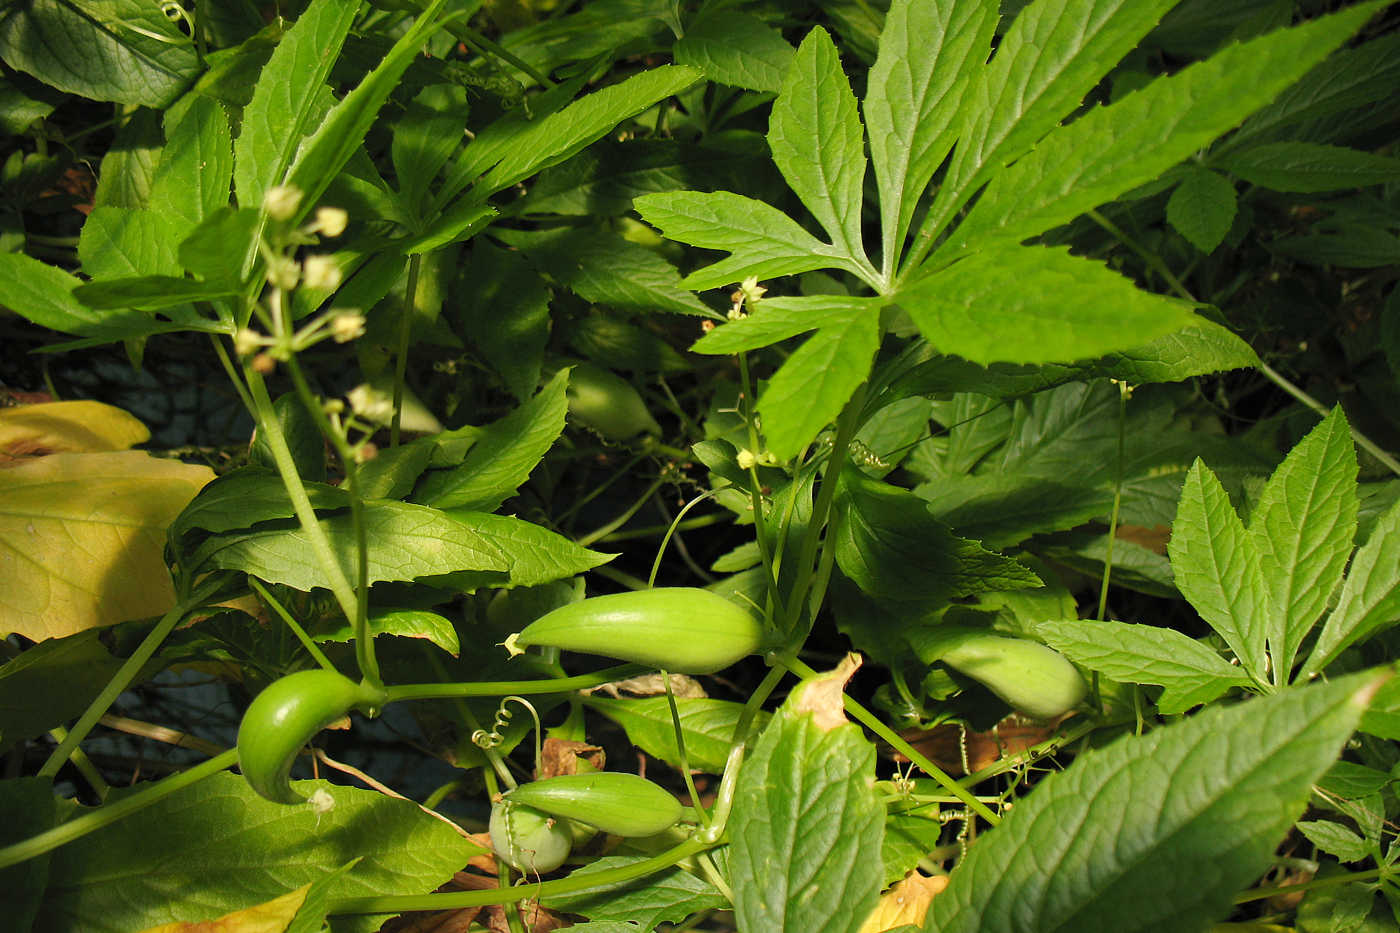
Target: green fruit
[(285, 716), (616, 803), (532, 841), (1032, 678), (681, 629), (607, 403)]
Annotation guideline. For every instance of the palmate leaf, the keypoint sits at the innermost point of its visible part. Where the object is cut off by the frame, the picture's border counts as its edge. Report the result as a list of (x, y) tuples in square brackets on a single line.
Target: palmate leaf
[(1154, 834), (1302, 527), (1111, 150), (1370, 597), (813, 385), (1050, 58), (1216, 567), (1015, 304), (817, 141), (914, 90)]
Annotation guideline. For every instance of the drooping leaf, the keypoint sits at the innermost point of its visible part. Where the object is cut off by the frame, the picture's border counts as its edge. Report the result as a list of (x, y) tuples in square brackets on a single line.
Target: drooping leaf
[(889, 543), (503, 456), (764, 241), (553, 138), (1159, 843), (50, 684), (817, 141), (1019, 304), (1302, 527), (217, 846), (82, 538), (776, 319), (67, 427), (1146, 654), (813, 385), (1216, 566)]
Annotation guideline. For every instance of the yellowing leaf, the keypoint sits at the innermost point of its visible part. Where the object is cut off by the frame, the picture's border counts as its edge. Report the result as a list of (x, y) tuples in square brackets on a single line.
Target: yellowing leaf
[(66, 427), (905, 903), (272, 917), (81, 539), (823, 695)]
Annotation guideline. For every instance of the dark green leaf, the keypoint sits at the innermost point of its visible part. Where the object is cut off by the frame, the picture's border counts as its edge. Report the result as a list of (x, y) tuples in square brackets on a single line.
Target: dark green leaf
[(604, 268), (1310, 167), (890, 544), (119, 50), (506, 312), (503, 456), (1002, 509), (1202, 208), (50, 684)]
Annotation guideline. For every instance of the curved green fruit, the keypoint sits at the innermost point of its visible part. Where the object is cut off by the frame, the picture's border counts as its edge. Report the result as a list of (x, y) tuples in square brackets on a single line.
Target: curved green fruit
[(1032, 678), (607, 403), (532, 841), (681, 629), (616, 803), (284, 717)]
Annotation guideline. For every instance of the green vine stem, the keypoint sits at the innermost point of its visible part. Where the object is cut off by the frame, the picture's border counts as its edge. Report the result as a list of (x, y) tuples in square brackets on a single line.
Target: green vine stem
[(311, 647), (266, 416), (575, 882), (108, 814), (410, 299), (1159, 265), (127, 673), (404, 692), (873, 723), (1332, 881), (364, 643)]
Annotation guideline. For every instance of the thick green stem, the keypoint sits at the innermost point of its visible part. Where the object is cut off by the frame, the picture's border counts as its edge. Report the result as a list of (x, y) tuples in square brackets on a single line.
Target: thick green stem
[(519, 687), (410, 298), (271, 429), (108, 814), (125, 675)]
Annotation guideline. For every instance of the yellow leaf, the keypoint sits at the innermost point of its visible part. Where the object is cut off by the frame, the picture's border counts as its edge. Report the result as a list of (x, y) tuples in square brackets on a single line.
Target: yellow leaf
[(82, 539), (67, 427), (905, 903), (272, 917)]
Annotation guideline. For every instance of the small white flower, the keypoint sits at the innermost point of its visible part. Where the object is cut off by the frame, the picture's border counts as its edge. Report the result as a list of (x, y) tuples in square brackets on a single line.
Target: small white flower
[(281, 202), (371, 404), (283, 272), (347, 325), (246, 342), (331, 220), (321, 272)]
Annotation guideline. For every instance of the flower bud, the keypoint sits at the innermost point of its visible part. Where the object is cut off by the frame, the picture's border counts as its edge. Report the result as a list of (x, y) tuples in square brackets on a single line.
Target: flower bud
[(281, 202)]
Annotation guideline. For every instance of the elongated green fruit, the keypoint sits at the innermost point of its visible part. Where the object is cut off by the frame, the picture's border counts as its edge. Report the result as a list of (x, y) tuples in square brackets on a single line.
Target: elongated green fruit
[(531, 840), (284, 717), (608, 404), (1032, 678), (617, 803), (683, 629)]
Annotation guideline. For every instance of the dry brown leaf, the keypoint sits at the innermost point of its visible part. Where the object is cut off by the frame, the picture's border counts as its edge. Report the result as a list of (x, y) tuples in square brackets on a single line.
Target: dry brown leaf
[(561, 756), (823, 695)]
